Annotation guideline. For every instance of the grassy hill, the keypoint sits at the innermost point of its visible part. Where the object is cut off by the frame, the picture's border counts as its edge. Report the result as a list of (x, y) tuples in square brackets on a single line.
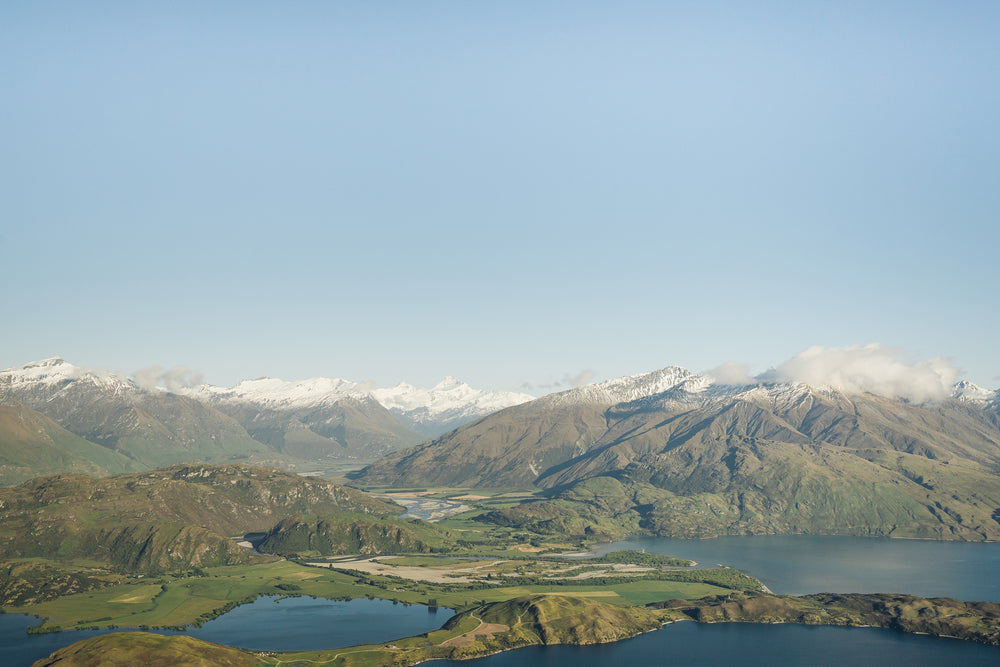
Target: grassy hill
[(351, 534), (163, 520), (126, 649)]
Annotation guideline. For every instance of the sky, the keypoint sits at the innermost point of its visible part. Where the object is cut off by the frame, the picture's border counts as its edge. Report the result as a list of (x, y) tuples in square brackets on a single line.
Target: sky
[(524, 195)]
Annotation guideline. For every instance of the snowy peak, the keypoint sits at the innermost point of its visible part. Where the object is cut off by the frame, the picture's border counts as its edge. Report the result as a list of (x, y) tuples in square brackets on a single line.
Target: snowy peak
[(56, 371), (275, 393), (969, 392), (447, 403), (633, 387), (449, 383)]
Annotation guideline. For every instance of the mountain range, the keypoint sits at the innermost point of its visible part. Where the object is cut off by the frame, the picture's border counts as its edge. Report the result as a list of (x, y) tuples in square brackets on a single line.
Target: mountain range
[(684, 454), (53, 413)]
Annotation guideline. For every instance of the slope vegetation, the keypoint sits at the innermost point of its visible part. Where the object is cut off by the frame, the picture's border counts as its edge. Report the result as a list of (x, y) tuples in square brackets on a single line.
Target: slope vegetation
[(696, 460), (126, 649), (341, 534), (164, 520)]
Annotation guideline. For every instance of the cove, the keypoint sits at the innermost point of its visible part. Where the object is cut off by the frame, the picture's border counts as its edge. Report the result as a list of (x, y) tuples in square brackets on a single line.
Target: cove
[(277, 624)]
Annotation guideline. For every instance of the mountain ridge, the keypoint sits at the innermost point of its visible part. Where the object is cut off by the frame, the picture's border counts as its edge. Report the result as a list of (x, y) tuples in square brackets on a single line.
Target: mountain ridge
[(266, 420), (769, 457)]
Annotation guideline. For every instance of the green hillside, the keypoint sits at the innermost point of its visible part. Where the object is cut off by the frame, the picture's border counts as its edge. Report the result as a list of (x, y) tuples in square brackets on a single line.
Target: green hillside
[(351, 534), (164, 520)]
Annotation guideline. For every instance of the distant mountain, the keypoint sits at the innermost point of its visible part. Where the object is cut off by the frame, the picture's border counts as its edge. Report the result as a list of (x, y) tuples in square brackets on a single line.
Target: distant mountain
[(151, 427), (267, 420), (314, 420), (448, 405), (31, 444), (513, 447), (767, 457), (309, 419), (967, 392)]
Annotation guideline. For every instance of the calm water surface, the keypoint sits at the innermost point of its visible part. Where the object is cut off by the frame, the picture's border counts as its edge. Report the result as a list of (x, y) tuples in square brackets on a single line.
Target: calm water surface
[(800, 564), (750, 645), (288, 624), (795, 564)]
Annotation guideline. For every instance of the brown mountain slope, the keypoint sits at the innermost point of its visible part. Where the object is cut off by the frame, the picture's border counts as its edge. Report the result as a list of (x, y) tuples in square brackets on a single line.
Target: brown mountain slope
[(781, 458), (153, 428), (349, 427), (31, 444)]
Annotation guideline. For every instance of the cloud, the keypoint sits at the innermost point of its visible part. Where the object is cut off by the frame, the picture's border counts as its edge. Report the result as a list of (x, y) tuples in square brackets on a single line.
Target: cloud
[(732, 373), (172, 379), (585, 376), (872, 368)]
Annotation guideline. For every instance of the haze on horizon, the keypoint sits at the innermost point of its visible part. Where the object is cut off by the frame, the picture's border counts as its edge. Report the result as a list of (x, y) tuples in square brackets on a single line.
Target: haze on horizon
[(526, 194)]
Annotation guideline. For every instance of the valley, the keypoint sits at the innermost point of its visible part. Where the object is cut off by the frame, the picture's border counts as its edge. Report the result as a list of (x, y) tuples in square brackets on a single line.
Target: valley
[(497, 519)]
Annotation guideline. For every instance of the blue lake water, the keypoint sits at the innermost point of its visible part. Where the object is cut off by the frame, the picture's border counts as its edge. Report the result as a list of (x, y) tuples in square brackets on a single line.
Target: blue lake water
[(796, 564), (800, 564), (751, 645), (288, 624)]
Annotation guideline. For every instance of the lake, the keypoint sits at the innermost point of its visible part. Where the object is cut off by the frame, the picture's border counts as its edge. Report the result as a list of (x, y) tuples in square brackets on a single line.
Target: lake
[(791, 564), (751, 645), (801, 564), (300, 623), (797, 565)]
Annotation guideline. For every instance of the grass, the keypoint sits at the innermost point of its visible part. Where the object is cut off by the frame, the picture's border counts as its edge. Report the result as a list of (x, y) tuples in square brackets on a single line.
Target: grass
[(179, 601)]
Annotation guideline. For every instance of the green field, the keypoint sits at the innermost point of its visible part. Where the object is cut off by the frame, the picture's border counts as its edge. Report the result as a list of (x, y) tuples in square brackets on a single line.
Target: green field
[(177, 601)]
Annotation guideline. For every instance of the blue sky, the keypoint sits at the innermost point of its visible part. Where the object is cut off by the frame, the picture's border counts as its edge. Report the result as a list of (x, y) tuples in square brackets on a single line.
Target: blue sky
[(512, 193)]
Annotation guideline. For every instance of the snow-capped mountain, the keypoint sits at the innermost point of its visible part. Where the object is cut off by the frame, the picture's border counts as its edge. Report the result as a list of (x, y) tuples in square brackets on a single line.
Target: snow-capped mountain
[(55, 373), (969, 392), (634, 421), (632, 387), (317, 419), (280, 394), (150, 427), (272, 420), (447, 405)]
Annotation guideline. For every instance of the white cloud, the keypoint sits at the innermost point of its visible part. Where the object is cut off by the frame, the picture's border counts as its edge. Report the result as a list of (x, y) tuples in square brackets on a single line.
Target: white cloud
[(872, 368), (585, 376), (731, 373), (172, 379), (580, 379)]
